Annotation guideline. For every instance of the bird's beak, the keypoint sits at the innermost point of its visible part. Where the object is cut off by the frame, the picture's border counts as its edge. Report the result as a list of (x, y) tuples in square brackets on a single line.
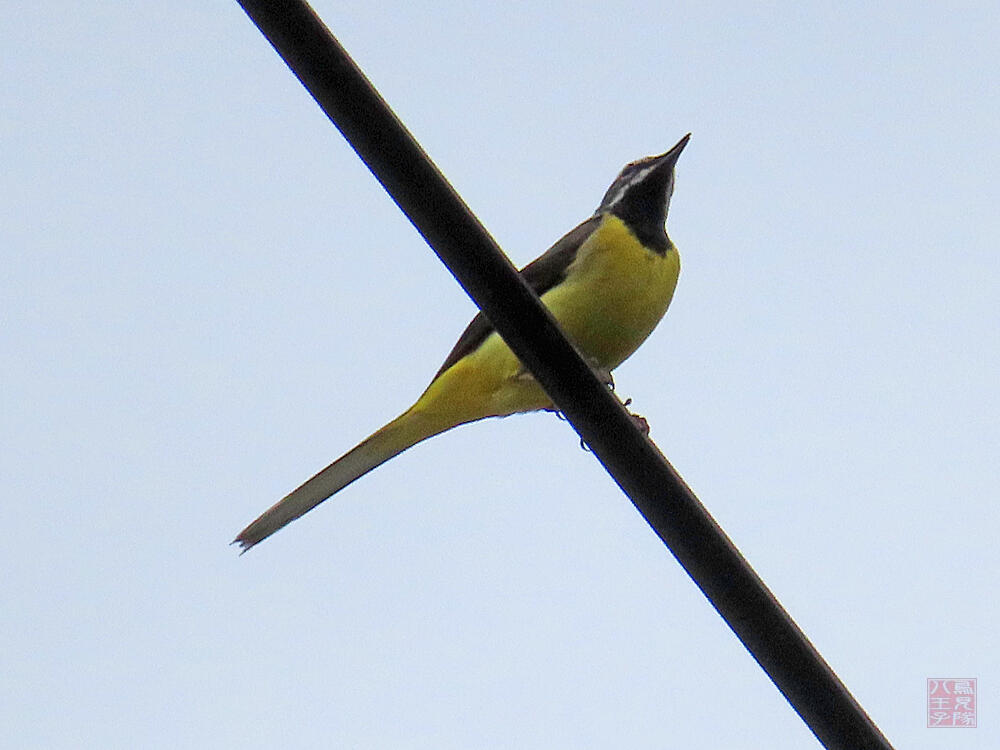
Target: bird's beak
[(669, 159)]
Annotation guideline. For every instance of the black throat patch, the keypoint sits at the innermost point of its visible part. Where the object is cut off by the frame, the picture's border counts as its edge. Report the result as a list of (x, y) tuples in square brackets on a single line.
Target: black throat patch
[(647, 223)]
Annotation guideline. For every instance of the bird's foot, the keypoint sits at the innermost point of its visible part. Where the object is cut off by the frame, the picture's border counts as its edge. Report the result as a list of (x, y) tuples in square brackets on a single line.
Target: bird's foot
[(637, 419), (604, 374), (640, 421)]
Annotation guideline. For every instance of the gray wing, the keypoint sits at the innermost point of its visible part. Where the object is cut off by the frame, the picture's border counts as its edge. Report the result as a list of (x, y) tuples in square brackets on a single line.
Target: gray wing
[(542, 274)]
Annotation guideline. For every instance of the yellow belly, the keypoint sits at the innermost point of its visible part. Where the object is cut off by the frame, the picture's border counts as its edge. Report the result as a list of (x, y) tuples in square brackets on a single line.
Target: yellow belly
[(614, 294)]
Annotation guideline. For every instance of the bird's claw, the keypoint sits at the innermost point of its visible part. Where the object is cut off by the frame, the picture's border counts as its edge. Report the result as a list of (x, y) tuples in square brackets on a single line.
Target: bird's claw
[(604, 375), (637, 419), (641, 422)]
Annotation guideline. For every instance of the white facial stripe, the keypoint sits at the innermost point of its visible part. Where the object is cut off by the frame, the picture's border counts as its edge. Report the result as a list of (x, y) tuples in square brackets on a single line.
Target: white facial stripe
[(633, 179), (641, 174), (619, 194)]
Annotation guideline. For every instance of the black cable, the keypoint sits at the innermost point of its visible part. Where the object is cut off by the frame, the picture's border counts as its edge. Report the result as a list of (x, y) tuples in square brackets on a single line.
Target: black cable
[(668, 505)]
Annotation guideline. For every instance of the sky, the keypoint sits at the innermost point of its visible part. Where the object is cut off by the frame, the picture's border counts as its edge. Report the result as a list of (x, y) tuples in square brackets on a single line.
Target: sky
[(205, 298)]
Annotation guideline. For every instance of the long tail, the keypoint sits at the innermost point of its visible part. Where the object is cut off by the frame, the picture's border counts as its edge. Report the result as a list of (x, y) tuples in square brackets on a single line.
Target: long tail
[(407, 429)]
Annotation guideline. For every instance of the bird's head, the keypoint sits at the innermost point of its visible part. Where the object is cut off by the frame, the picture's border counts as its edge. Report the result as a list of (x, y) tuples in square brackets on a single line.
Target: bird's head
[(640, 194)]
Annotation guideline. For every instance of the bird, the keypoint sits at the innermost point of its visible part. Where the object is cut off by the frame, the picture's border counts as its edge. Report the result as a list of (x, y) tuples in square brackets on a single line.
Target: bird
[(607, 282)]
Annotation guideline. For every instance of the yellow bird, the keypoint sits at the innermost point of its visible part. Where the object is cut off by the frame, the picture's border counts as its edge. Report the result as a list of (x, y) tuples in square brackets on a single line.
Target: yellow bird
[(608, 282)]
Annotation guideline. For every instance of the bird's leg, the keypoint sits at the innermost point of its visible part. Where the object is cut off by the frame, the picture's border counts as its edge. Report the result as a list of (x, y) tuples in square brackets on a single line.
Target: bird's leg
[(604, 374)]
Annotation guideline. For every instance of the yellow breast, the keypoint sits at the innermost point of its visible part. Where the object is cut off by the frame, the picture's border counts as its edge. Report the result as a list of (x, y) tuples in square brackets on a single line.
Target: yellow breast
[(614, 294)]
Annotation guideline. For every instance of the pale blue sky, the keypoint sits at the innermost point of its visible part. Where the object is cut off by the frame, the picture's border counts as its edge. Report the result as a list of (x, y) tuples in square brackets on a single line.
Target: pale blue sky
[(205, 298)]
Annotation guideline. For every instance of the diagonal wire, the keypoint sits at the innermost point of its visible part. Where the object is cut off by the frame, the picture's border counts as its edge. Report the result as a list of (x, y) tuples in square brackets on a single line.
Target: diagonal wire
[(658, 492)]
